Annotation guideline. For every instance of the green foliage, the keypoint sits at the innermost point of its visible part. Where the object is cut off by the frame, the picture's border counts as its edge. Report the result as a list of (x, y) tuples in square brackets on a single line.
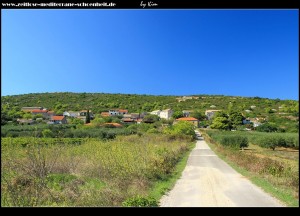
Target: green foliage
[(140, 202), (150, 118), (267, 127), (47, 133), (182, 128), (198, 115), (177, 114), (221, 123)]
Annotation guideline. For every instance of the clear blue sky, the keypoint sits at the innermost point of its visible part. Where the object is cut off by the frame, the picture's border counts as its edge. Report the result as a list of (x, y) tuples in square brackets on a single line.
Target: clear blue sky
[(159, 52)]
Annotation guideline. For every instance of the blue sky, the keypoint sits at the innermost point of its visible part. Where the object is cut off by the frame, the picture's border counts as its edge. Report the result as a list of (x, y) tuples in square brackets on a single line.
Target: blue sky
[(158, 52)]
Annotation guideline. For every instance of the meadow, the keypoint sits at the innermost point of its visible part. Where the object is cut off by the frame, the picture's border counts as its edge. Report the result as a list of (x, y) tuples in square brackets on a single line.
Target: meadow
[(88, 171), (270, 160)]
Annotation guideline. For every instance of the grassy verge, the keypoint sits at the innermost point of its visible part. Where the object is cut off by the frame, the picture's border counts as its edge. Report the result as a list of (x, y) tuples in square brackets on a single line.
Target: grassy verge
[(161, 187), (284, 194)]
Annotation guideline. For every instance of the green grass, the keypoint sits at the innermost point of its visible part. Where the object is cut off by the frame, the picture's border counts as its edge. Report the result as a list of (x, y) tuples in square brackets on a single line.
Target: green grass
[(282, 194), (163, 186)]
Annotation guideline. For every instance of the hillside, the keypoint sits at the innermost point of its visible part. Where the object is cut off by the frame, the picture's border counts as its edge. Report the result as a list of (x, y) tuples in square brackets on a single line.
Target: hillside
[(275, 110)]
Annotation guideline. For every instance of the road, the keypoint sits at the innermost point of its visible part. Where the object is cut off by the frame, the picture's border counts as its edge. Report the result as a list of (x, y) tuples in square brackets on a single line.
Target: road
[(207, 181)]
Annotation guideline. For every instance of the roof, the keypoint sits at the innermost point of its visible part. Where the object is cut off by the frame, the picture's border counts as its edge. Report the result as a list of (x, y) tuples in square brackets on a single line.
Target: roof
[(39, 111), (212, 111), (114, 124), (127, 120), (105, 114), (57, 118), (123, 110), (187, 119)]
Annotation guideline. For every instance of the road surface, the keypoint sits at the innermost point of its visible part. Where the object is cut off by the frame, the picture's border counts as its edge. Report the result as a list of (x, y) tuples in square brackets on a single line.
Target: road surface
[(207, 181)]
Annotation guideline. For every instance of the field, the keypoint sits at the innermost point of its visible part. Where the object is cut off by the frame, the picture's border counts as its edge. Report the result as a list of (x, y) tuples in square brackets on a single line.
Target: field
[(271, 160), (89, 171)]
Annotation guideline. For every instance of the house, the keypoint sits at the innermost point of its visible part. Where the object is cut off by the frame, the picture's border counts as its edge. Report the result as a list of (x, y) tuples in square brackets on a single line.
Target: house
[(30, 109), (210, 113), (194, 121), (166, 114), (246, 121), (84, 113), (105, 114), (256, 124), (25, 121), (186, 113), (123, 111), (71, 114), (128, 120), (114, 112), (58, 120), (155, 112), (43, 112)]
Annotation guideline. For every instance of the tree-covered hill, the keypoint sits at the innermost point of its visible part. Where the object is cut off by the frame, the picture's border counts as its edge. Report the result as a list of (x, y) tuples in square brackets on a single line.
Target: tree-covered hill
[(280, 111)]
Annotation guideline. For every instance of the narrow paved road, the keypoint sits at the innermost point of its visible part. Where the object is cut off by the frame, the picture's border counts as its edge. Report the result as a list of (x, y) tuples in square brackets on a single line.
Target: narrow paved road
[(207, 181)]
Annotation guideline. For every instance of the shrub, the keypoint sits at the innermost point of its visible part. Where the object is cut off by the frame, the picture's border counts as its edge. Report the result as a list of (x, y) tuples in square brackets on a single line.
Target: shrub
[(140, 202)]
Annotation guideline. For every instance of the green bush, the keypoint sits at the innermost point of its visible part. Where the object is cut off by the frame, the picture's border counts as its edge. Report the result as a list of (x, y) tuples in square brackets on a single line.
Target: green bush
[(140, 202), (234, 141)]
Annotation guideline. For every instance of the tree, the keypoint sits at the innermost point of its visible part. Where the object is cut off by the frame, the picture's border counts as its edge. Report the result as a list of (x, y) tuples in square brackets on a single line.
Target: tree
[(150, 118), (27, 116), (235, 119), (88, 117), (47, 133), (177, 114), (220, 123), (198, 115)]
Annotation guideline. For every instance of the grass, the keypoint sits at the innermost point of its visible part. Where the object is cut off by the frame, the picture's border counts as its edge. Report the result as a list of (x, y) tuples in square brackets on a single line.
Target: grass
[(281, 183), (161, 187), (92, 173)]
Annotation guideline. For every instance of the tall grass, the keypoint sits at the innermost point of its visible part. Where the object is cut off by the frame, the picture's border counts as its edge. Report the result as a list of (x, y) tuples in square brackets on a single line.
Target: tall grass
[(90, 173)]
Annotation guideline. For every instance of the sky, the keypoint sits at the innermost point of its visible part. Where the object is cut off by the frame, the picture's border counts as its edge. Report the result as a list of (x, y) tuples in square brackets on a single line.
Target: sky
[(158, 52)]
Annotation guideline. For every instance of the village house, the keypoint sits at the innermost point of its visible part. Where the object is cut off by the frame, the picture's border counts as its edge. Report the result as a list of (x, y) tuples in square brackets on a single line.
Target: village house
[(72, 114), (116, 112), (155, 112), (166, 114), (210, 113), (43, 112), (25, 121), (194, 121), (58, 120), (30, 109)]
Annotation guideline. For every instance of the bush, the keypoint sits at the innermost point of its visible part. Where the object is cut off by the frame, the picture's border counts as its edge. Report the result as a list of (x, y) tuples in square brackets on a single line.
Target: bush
[(234, 141), (140, 202)]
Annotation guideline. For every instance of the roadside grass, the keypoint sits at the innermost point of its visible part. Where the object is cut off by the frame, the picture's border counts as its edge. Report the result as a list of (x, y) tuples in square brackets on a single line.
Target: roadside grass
[(116, 172), (161, 187), (277, 174)]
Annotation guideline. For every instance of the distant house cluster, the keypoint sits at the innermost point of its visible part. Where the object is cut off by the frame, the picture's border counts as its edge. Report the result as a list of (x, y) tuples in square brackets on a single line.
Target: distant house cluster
[(184, 98), (163, 114)]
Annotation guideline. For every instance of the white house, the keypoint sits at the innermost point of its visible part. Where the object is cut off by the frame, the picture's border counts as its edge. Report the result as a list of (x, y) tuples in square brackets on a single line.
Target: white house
[(166, 114), (155, 112)]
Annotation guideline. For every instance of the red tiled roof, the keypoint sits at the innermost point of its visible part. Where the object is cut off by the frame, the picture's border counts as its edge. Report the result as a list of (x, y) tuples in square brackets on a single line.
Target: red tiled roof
[(105, 114), (187, 119), (39, 111), (123, 110), (57, 118)]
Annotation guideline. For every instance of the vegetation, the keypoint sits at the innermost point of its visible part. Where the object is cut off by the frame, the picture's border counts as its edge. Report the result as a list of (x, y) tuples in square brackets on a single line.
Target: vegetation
[(277, 170), (55, 172)]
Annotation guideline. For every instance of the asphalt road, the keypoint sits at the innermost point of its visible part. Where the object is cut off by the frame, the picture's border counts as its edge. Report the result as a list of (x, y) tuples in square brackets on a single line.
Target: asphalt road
[(207, 181)]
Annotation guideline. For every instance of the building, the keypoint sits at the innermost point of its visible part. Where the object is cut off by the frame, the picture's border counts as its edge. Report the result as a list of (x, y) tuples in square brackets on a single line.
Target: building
[(210, 113), (84, 113), (71, 114), (30, 109), (43, 112), (58, 120), (155, 112), (105, 114), (166, 114), (194, 121)]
